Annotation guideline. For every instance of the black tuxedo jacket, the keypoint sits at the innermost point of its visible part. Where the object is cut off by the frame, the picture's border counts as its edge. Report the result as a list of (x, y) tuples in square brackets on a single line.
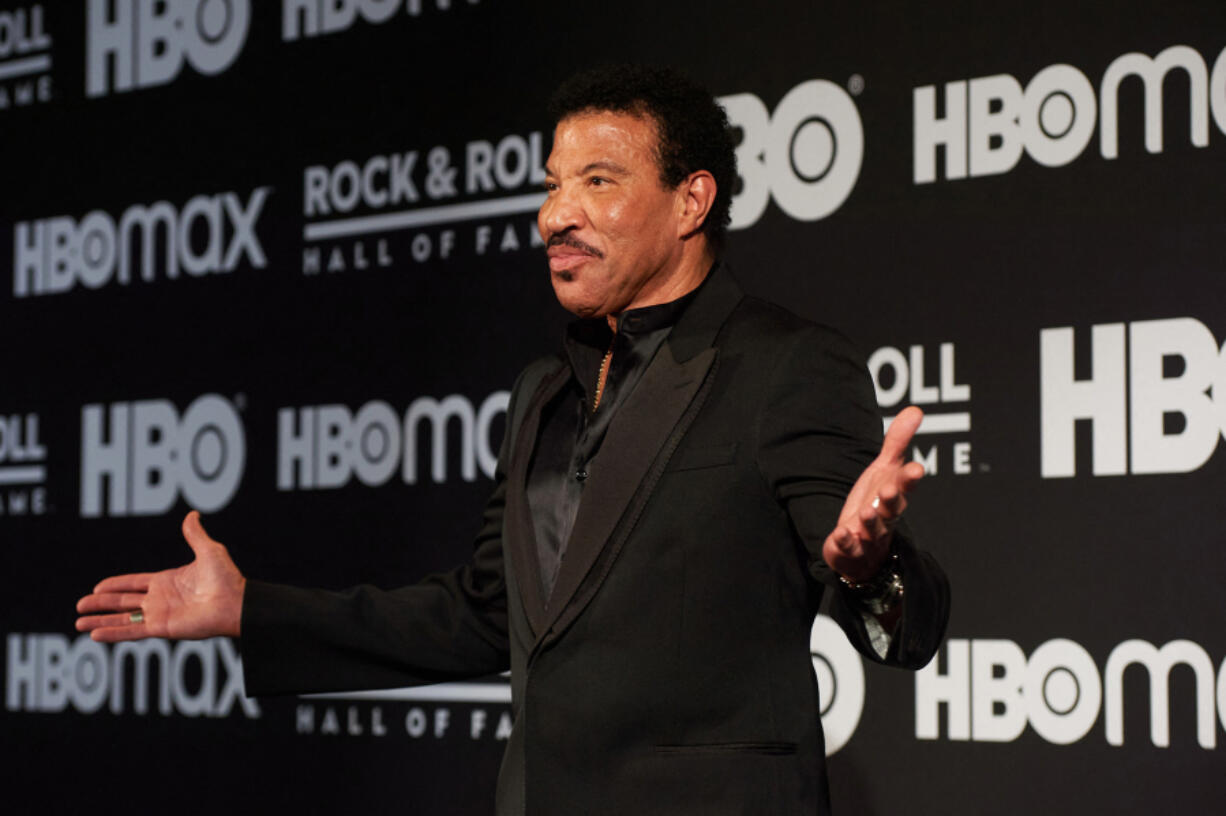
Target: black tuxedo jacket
[(669, 670)]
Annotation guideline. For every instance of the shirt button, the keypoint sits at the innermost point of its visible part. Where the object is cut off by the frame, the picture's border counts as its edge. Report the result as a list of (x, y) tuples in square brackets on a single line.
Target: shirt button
[(581, 474)]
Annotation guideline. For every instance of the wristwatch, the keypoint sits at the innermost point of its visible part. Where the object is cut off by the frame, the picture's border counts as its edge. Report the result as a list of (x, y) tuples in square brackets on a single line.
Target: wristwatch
[(880, 593)]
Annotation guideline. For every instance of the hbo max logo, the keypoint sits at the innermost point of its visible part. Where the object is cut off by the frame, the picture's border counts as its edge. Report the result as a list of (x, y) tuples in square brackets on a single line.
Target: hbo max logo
[(146, 455), (324, 446), (991, 691), (990, 121)]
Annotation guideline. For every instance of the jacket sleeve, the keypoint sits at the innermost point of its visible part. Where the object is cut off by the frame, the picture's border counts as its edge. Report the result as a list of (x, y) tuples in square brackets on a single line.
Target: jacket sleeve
[(448, 626), (818, 430)]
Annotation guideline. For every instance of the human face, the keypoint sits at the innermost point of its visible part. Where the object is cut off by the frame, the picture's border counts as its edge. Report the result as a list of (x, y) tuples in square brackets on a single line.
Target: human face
[(611, 227)]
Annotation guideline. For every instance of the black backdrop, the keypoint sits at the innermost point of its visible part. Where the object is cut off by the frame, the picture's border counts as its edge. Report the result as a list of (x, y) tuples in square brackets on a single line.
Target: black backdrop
[(1079, 521)]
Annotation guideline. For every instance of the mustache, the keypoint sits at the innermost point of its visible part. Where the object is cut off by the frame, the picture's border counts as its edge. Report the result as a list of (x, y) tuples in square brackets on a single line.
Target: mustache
[(567, 240)]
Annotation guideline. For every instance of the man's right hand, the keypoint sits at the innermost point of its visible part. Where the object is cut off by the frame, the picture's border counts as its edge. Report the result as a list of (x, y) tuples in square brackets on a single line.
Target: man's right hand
[(197, 600)]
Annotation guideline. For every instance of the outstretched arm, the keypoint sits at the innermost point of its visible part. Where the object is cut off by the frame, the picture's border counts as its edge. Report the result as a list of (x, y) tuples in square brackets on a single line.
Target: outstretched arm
[(845, 492), (197, 600)]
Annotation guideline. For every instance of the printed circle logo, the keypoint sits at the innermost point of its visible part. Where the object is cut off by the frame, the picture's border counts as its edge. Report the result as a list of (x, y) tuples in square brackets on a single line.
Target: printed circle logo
[(1063, 691), (220, 32), (1059, 113), (840, 682), (212, 434)]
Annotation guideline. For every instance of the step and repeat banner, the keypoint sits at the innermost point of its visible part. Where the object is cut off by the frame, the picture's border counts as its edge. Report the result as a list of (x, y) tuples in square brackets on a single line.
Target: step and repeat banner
[(277, 261)]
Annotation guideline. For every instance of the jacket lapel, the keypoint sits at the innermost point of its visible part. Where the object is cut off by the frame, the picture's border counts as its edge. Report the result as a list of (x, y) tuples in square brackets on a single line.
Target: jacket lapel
[(641, 438), (518, 529)]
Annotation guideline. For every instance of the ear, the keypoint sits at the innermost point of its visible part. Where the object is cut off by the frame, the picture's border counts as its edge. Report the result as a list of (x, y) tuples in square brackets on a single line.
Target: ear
[(696, 197)]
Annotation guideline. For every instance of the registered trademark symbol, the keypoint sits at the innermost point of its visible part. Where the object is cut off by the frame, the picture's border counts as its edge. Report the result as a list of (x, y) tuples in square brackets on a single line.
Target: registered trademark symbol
[(984, 467), (240, 401), (855, 84)]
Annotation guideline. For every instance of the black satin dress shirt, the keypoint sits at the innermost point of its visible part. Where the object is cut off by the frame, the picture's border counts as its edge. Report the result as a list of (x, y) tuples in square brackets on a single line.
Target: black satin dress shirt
[(568, 448)]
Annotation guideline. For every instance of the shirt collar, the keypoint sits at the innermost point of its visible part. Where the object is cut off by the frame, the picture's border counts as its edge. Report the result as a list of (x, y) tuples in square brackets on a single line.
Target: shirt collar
[(588, 339), (595, 331)]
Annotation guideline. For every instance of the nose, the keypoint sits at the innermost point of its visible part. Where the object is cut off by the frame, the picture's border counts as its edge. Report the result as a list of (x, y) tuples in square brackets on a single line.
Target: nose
[(560, 212)]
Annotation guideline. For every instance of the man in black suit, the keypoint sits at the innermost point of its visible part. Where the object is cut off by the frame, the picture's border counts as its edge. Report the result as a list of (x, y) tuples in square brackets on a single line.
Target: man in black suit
[(676, 492)]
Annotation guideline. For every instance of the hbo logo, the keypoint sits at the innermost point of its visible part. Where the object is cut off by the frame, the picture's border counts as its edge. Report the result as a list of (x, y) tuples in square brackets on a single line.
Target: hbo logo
[(806, 156), (147, 455), (1155, 400), (146, 42)]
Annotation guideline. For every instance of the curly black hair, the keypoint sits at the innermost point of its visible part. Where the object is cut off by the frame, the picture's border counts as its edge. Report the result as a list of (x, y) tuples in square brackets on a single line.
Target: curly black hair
[(693, 129)]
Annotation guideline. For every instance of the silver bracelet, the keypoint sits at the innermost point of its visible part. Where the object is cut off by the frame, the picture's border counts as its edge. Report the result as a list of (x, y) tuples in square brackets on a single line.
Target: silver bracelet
[(880, 593)]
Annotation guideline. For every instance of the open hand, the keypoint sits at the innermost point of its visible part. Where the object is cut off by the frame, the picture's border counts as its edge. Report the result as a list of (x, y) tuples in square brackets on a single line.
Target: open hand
[(859, 545), (197, 600)]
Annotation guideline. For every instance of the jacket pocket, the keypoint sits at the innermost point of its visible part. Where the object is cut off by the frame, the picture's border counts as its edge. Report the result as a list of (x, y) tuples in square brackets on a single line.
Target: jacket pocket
[(769, 748), (703, 457)]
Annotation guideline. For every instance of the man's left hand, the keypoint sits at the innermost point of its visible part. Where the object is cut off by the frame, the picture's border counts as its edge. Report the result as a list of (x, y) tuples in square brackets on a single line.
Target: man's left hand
[(858, 547)]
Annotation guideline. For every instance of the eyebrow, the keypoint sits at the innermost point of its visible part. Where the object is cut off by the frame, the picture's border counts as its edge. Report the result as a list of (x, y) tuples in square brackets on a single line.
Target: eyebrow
[(607, 166), (612, 167)]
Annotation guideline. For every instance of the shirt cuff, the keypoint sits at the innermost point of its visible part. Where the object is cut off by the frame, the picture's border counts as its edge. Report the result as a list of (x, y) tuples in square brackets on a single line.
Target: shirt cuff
[(878, 637)]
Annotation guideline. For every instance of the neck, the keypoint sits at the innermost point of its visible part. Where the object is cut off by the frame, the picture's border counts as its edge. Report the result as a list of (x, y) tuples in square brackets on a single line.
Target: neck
[(690, 271)]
